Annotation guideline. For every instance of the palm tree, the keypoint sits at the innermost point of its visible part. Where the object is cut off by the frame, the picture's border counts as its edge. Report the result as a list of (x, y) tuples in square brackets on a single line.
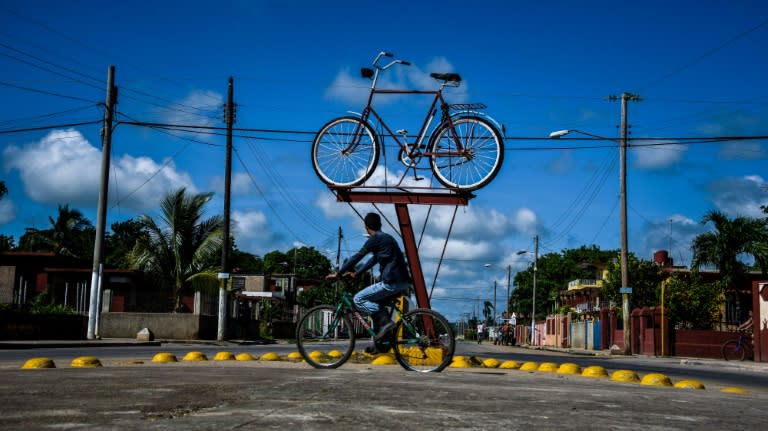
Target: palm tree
[(730, 239), (70, 234), (488, 312), (175, 251)]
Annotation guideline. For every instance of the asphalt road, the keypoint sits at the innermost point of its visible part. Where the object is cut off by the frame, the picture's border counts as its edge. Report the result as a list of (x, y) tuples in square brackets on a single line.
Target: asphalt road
[(283, 395), (130, 392)]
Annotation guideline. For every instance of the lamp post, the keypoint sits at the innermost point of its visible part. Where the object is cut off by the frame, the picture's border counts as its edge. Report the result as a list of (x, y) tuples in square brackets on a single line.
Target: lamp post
[(625, 290), (535, 269)]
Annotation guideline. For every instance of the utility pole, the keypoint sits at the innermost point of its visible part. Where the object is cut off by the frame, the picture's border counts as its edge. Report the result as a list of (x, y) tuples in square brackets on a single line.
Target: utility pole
[(625, 289), (101, 217), (494, 303), (229, 118), (535, 270), (509, 292), (338, 250)]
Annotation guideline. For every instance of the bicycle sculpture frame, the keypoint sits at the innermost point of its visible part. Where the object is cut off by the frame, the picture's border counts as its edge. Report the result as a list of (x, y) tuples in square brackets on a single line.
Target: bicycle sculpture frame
[(421, 341), (465, 148)]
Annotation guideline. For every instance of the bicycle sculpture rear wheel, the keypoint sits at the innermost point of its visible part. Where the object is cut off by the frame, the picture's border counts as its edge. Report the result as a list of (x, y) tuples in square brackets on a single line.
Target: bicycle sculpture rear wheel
[(424, 341), (733, 351), (324, 338), (345, 152), (477, 158)]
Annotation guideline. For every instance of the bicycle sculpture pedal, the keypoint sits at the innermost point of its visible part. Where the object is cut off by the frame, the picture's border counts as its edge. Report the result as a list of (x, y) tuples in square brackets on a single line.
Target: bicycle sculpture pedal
[(465, 148)]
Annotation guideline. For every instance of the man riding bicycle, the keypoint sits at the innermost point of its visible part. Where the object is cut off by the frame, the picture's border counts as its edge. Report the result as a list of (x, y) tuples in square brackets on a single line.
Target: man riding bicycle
[(394, 275)]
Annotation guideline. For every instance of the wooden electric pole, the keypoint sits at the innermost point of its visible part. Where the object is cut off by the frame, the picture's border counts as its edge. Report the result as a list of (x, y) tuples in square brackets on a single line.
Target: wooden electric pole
[(101, 216)]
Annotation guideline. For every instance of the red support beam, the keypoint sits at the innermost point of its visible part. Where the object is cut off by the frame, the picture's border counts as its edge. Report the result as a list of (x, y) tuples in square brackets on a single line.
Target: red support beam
[(401, 200)]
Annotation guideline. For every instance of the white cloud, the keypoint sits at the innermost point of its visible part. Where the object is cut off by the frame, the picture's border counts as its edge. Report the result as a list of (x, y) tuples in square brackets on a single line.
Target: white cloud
[(64, 167), (742, 150), (740, 196), (251, 225), (659, 157), (200, 107), (241, 184), (7, 210), (349, 88)]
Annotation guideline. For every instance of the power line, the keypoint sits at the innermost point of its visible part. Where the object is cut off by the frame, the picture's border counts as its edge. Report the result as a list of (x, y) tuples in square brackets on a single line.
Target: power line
[(56, 126), (50, 93)]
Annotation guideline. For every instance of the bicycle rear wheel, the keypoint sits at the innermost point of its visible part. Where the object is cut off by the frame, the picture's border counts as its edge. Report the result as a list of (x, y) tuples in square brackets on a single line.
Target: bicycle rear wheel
[(345, 152), (424, 341), (733, 351), (325, 339), (466, 153)]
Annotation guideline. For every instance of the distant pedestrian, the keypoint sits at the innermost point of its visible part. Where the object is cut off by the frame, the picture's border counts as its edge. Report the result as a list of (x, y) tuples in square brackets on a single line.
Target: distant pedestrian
[(480, 329)]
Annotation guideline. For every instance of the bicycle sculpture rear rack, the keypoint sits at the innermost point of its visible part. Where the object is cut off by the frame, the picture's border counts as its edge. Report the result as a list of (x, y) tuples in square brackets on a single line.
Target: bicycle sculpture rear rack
[(401, 198)]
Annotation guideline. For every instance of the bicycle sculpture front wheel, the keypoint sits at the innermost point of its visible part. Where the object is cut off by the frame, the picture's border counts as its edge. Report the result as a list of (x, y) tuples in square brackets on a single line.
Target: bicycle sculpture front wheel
[(424, 341), (733, 350), (325, 339), (466, 153), (345, 152)]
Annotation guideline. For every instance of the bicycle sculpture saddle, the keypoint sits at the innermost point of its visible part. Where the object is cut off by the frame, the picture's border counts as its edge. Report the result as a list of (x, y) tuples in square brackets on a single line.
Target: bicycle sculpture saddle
[(447, 77)]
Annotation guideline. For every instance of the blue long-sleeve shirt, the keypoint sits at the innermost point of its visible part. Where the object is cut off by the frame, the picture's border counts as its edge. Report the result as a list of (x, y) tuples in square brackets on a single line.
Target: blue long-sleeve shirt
[(386, 252)]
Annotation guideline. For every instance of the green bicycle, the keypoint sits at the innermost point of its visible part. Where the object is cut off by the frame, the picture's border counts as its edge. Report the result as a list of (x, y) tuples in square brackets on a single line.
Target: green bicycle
[(422, 339)]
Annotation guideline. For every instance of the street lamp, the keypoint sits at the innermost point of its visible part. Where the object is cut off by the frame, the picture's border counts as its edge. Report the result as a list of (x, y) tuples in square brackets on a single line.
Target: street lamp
[(625, 290), (535, 269)]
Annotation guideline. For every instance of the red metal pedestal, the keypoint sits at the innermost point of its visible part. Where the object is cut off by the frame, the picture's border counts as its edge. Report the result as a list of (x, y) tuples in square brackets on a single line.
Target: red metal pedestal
[(401, 200)]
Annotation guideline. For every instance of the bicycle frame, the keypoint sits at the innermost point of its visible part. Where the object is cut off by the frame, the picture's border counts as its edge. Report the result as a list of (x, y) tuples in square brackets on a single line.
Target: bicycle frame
[(425, 127)]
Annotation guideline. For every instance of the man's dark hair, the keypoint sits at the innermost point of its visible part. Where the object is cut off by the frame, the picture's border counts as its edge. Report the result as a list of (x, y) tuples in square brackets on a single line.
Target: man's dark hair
[(373, 221)]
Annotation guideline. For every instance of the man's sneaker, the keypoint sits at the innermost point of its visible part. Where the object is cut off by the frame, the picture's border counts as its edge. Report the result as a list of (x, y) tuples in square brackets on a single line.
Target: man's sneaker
[(372, 350)]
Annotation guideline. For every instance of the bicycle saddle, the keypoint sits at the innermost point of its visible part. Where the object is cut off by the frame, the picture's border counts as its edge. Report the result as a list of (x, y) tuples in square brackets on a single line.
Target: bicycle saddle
[(447, 77)]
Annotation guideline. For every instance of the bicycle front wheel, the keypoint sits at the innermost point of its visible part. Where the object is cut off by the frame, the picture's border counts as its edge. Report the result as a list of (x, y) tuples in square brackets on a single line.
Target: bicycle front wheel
[(345, 152), (325, 339), (466, 153), (733, 351), (424, 341)]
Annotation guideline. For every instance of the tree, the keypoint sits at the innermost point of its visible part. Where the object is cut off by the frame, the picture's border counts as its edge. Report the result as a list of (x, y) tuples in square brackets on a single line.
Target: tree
[(70, 234), (120, 242), (488, 312), (645, 278), (6, 242), (691, 302), (175, 251), (731, 239)]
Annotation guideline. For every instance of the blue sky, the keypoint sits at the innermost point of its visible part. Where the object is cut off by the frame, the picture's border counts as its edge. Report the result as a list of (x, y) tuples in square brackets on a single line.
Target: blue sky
[(699, 67)]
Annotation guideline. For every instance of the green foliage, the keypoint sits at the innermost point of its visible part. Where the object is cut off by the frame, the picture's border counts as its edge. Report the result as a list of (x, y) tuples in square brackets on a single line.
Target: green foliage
[(644, 278), (325, 293), (691, 302), (41, 304), (6, 243), (121, 240)]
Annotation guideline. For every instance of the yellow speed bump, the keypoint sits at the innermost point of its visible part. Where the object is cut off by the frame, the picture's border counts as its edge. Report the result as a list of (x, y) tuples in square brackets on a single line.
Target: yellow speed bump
[(195, 356), (164, 357), (626, 376), (529, 366), (384, 359), (85, 362), (335, 354), (510, 365), (689, 384), (491, 363), (595, 371), (569, 368), (548, 367), (271, 356), (656, 379), (294, 356), (224, 356), (34, 363), (734, 390), (460, 363), (244, 357)]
